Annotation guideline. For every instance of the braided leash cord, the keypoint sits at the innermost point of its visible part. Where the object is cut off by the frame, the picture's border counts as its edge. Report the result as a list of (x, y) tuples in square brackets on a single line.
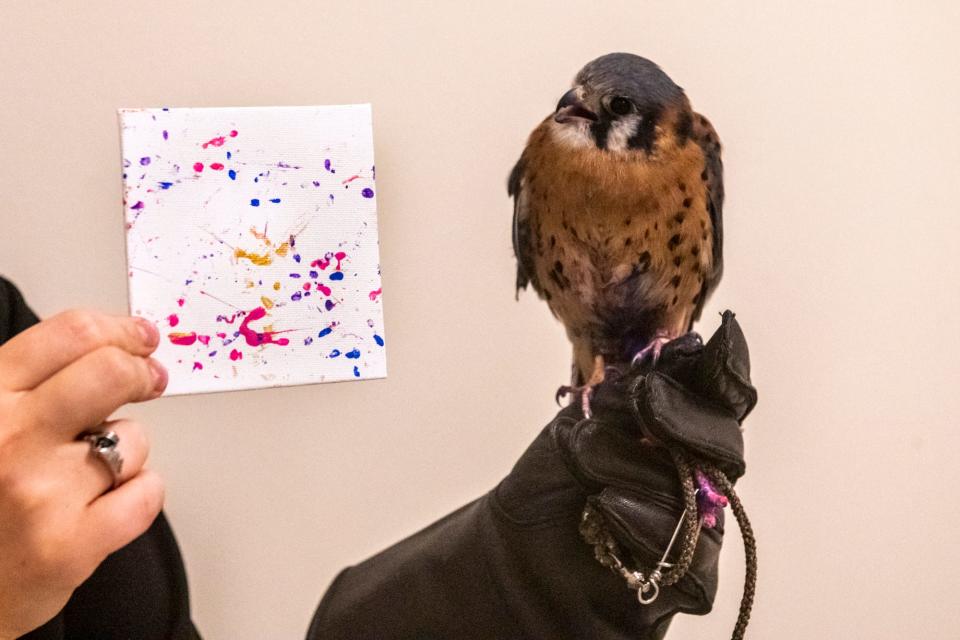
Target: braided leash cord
[(749, 547)]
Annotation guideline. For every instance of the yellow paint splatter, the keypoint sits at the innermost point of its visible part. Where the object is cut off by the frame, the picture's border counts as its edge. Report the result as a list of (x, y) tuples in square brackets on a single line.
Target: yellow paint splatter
[(276, 286), (282, 249), (267, 302), (250, 284), (261, 260)]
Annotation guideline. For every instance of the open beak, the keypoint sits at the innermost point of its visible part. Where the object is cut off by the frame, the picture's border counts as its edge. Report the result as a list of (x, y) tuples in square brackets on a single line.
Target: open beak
[(570, 109)]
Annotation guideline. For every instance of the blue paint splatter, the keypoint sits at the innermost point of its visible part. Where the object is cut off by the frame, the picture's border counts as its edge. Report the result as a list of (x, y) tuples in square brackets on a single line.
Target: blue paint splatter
[(356, 372), (256, 179), (138, 206), (294, 275), (165, 185), (335, 353), (326, 164), (275, 200), (165, 134), (232, 174), (367, 192), (328, 305), (325, 332), (229, 155), (378, 339), (255, 202), (144, 161), (295, 297), (186, 282), (314, 274), (336, 275), (296, 257), (308, 341), (316, 183), (331, 196), (212, 353), (353, 354)]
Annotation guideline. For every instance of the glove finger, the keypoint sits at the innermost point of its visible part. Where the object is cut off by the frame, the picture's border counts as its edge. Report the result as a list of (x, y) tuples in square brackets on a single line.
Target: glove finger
[(644, 527), (723, 372), (611, 453), (674, 414)]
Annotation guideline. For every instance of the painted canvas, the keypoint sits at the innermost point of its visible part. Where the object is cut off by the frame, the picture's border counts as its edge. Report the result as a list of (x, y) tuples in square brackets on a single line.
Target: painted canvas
[(252, 243)]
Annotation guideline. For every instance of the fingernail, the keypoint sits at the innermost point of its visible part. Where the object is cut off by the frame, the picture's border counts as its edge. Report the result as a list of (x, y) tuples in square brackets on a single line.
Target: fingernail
[(149, 332), (160, 375)]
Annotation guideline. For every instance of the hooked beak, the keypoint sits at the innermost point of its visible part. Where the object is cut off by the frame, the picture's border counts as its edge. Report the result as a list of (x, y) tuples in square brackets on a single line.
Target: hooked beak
[(570, 109)]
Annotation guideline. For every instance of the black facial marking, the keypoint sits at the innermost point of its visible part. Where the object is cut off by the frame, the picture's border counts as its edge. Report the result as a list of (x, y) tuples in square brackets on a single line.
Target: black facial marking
[(675, 281), (695, 250), (675, 298), (627, 242), (677, 260), (553, 241), (627, 222), (687, 202), (601, 130), (674, 241), (646, 136), (679, 217)]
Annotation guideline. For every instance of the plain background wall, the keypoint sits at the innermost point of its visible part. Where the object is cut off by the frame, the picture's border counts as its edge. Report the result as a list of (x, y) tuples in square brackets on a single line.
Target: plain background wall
[(842, 149)]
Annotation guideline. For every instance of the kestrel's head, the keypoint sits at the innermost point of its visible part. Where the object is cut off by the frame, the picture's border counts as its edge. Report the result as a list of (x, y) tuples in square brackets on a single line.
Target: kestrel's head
[(616, 103)]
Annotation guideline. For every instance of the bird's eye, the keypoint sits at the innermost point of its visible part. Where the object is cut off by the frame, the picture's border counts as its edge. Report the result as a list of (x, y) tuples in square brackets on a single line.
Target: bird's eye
[(620, 106)]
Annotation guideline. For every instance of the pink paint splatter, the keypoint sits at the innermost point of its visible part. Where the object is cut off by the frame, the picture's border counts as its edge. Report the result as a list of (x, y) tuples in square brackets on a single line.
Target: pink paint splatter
[(233, 133), (350, 179), (221, 335), (138, 206), (204, 340), (236, 355), (197, 365), (375, 294), (324, 288), (198, 167), (254, 338), (180, 302), (173, 319), (183, 339), (306, 286), (216, 166), (323, 263), (214, 142)]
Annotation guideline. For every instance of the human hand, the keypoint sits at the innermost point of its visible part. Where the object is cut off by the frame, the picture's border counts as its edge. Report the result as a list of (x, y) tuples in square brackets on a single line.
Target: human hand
[(59, 517)]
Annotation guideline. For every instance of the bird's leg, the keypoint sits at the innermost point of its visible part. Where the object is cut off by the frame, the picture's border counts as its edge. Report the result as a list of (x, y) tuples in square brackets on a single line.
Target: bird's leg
[(586, 390), (654, 347)]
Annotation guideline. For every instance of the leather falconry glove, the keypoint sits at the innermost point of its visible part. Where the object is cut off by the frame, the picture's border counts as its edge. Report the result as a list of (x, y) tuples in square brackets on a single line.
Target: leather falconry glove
[(518, 562)]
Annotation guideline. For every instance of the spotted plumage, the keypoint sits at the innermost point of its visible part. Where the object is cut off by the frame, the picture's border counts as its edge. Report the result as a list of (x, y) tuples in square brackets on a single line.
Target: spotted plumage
[(618, 199)]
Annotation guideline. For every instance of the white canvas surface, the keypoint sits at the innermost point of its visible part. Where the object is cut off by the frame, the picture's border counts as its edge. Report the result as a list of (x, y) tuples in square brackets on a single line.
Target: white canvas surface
[(252, 243)]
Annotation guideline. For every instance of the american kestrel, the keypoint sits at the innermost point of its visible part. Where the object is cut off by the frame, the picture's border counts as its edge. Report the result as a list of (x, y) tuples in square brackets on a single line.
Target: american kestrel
[(618, 200)]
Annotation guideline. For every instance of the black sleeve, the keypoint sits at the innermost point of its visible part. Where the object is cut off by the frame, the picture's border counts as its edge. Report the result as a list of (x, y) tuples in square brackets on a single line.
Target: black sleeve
[(140, 591)]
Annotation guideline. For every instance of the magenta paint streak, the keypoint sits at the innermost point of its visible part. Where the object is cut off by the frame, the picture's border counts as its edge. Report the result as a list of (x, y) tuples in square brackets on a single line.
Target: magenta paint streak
[(254, 338), (204, 340), (339, 255), (214, 142), (173, 319), (375, 294), (183, 339), (180, 302), (197, 365), (236, 355), (198, 166), (350, 179), (324, 288), (216, 166)]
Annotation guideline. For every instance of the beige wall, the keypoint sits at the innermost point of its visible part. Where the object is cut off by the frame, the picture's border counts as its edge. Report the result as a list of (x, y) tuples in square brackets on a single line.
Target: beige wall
[(843, 160)]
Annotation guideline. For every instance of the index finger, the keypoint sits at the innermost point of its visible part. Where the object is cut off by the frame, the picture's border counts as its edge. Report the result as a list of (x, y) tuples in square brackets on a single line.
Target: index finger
[(36, 354)]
